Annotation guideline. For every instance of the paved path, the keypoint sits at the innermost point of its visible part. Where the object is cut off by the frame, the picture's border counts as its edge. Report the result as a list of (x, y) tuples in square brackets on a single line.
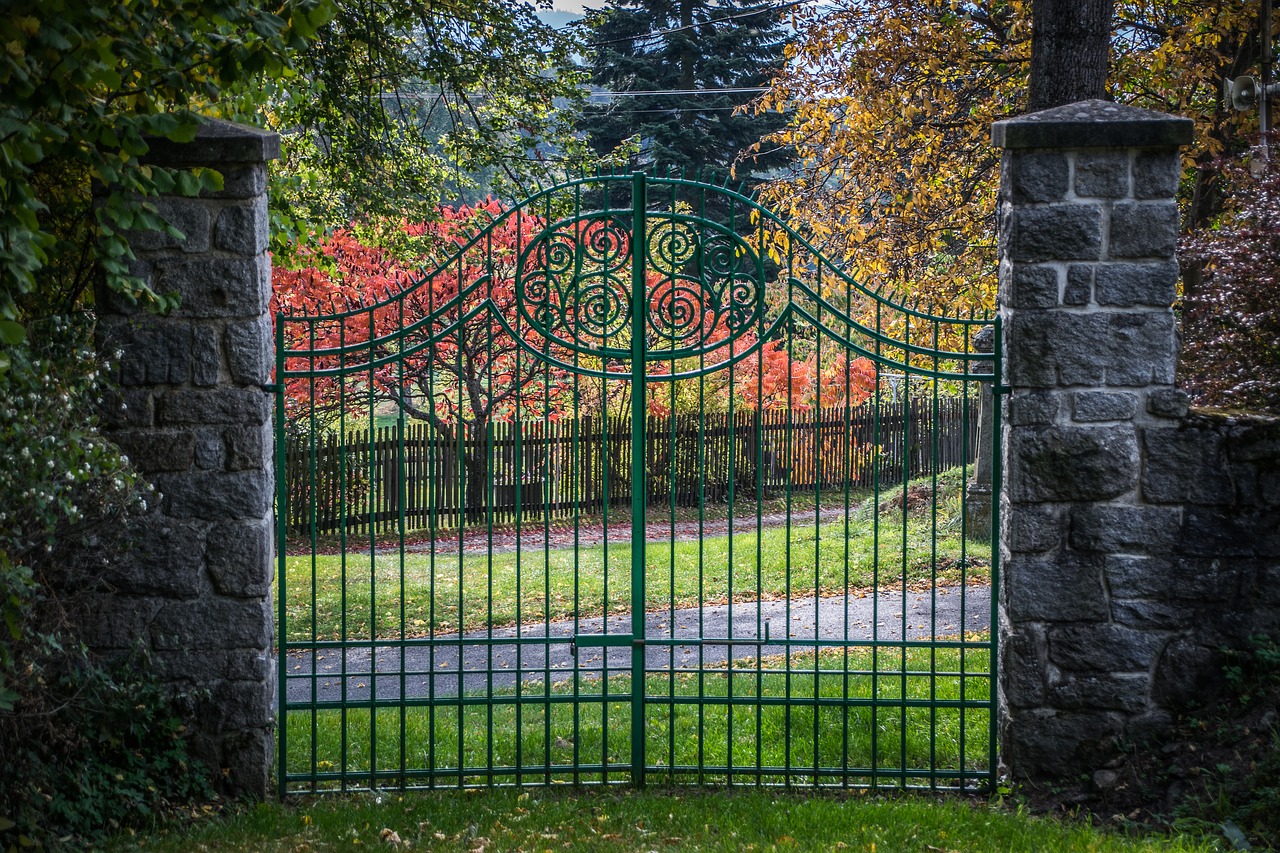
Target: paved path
[(536, 653)]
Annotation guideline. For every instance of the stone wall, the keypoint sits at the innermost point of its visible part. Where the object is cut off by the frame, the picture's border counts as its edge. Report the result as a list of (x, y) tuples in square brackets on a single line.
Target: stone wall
[(1137, 541), (191, 414)]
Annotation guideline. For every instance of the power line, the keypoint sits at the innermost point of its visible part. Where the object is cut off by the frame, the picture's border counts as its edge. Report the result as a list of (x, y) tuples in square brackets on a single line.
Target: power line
[(639, 93), (762, 10)]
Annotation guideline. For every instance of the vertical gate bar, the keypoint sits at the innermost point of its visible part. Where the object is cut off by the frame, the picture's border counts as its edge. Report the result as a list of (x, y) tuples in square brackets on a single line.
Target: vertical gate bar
[(488, 646), (434, 464), (342, 539), (462, 439), (402, 505), (312, 541), (997, 473), (876, 463), (850, 450), (576, 458), (817, 528), (639, 303), (373, 571), (282, 590), (907, 456), (933, 571), (791, 465), (965, 390)]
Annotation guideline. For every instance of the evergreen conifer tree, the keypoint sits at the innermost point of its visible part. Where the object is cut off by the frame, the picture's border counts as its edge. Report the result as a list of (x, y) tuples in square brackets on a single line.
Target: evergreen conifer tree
[(672, 47)]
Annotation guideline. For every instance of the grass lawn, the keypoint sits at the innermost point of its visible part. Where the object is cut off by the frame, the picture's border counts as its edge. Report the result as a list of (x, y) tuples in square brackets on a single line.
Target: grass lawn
[(356, 596), (653, 819), (858, 732)]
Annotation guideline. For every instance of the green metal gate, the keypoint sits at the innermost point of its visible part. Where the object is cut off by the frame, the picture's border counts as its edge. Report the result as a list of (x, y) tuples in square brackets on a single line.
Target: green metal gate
[(635, 487)]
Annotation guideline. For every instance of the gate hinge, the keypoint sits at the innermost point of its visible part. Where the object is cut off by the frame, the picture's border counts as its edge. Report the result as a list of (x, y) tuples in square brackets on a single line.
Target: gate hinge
[(270, 388)]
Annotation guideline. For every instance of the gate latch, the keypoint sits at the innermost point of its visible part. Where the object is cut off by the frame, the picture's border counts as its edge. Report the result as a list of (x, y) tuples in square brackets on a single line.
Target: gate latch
[(602, 641)]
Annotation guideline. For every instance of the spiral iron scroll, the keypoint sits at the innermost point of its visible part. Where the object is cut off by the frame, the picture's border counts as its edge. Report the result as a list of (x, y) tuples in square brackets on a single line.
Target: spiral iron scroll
[(704, 285)]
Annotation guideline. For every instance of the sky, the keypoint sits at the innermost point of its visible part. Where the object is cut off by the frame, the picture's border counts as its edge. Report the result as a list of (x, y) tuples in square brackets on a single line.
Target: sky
[(574, 6)]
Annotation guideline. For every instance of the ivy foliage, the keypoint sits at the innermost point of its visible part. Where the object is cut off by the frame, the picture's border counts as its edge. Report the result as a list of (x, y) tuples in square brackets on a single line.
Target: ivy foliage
[(83, 85)]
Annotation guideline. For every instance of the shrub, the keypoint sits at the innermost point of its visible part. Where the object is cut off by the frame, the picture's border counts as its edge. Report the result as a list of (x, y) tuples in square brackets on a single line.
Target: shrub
[(1231, 319), (86, 747)]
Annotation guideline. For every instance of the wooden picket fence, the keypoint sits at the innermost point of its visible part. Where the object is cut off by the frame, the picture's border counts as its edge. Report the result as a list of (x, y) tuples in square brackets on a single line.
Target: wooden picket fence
[(373, 480)]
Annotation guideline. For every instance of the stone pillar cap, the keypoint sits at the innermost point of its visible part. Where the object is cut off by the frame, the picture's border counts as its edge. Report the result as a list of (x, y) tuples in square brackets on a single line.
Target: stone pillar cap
[(217, 141), (1093, 124)]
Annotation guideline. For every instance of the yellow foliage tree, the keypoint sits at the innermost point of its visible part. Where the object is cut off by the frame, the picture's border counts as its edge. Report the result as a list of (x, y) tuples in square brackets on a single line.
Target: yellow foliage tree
[(892, 103)]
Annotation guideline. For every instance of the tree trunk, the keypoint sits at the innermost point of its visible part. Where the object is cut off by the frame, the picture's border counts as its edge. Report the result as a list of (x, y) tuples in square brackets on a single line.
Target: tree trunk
[(1069, 44)]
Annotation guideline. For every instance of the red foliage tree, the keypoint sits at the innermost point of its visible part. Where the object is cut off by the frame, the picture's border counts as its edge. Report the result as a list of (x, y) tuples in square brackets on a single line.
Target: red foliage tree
[(443, 353), (1231, 325)]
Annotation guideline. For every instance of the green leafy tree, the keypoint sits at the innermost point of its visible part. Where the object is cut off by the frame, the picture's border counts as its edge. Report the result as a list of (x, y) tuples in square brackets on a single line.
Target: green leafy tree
[(671, 48), (399, 107)]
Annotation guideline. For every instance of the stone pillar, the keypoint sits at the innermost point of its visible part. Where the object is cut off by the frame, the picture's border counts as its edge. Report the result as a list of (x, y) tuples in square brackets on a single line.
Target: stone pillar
[(194, 590), (1088, 226)]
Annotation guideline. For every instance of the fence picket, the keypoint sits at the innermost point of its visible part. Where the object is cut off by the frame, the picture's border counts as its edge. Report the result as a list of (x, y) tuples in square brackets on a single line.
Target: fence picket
[(563, 464)]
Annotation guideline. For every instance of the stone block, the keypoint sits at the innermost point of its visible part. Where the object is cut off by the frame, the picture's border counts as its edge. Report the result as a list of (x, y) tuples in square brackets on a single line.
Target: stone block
[(1170, 579), (165, 557), (213, 622), (1079, 289), (1102, 174), (1168, 403), (217, 495), (1128, 284), (1125, 529), (1126, 693), (152, 450), (1256, 446), (1022, 668), (1033, 528), (119, 621), (189, 215), (1218, 532), (126, 408), (217, 406), (1185, 466), (240, 181), (1149, 727), (1145, 230), (217, 287), (247, 448), (240, 558), (206, 360), (1187, 675), (1104, 647), (155, 352), (1153, 615), (1050, 349), (1058, 232), (251, 351), (1062, 587), (210, 449), (205, 666), (1036, 176), (1038, 408), (247, 759), (1156, 174), (243, 229), (1032, 287), (1048, 464), (239, 705), (1095, 406), (1046, 744)]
